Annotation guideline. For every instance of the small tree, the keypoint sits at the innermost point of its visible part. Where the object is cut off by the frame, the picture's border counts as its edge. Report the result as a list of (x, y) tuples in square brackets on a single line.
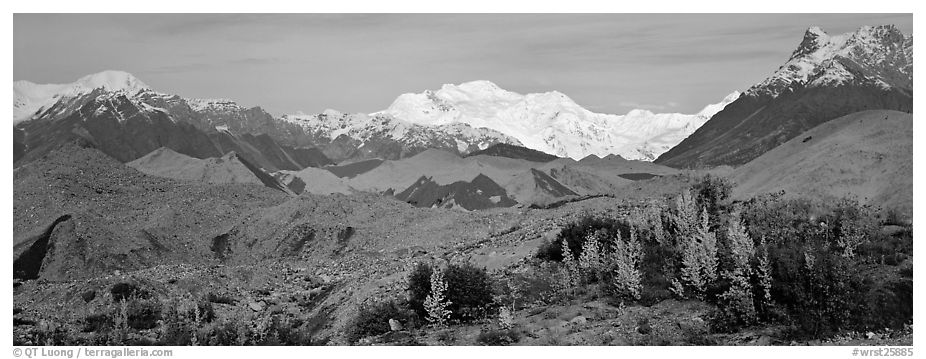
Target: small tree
[(505, 318), (685, 215), (436, 303), (569, 272), (764, 277), (699, 257), (624, 261), (737, 301), (712, 193), (590, 260)]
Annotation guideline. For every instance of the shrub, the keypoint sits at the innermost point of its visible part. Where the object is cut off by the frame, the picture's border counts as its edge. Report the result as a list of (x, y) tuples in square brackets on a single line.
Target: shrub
[(684, 216), (498, 337), (505, 318), (574, 234), (88, 295), (763, 287), (737, 302), (204, 311), (643, 326), (570, 276), (97, 322), (534, 285), (713, 193), (893, 217), (699, 258), (282, 330), (143, 314), (419, 287), (815, 253), (469, 290), (220, 299), (124, 291), (658, 269), (591, 262), (435, 304), (373, 319), (623, 261), (177, 333)]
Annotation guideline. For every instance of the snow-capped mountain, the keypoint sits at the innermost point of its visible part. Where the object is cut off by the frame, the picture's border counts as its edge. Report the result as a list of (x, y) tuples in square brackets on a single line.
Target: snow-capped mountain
[(384, 136), (550, 122), (29, 98), (826, 77), (878, 54), (125, 119)]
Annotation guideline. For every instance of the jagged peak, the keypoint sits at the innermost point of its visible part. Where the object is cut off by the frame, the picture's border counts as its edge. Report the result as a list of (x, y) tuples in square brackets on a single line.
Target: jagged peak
[(868, 46), (814, 31)]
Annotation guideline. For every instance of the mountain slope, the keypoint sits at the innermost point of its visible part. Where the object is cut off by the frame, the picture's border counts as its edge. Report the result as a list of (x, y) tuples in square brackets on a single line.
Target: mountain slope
[(441, 167), (317, 181), (868, 155), (550, 122), (126, 120), (825, 78), (480, 193), (353, 169), (512, 151), (230, 168), (115, 124), (536, 187)]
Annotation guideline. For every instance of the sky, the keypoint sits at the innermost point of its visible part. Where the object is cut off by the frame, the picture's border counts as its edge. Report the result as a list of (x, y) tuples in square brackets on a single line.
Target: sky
[(286, 63)]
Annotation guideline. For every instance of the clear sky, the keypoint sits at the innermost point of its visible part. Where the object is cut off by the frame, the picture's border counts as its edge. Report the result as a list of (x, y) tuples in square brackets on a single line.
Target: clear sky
[(359, 63)]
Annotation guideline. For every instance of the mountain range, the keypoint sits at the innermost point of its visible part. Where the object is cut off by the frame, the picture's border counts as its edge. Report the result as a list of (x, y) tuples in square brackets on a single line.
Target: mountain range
[(536, 147), (551, 122), (463, 118)]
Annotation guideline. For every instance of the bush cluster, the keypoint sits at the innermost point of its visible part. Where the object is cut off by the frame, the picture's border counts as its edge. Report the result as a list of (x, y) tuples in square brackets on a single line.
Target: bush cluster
[(469, 290), (373, 319), (498, 337), (574, 234), (467, 294), (808, 264)]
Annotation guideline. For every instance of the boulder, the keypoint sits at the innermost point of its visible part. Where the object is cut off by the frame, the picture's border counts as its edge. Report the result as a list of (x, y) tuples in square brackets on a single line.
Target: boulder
[(580, 320), (395, 325), (256, 306)]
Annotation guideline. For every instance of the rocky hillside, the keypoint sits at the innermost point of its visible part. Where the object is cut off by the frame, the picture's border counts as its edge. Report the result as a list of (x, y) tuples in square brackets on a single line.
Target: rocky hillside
[(80, 213)]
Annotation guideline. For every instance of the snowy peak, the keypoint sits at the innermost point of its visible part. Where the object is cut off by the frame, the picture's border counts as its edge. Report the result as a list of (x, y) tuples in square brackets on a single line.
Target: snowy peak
[(112, 80), (474, 89), (550, 122), (29, 98), (880, 55)]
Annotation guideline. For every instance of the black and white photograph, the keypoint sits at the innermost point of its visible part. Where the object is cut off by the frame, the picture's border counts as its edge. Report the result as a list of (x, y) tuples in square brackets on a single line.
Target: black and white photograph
[(461, 179)]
